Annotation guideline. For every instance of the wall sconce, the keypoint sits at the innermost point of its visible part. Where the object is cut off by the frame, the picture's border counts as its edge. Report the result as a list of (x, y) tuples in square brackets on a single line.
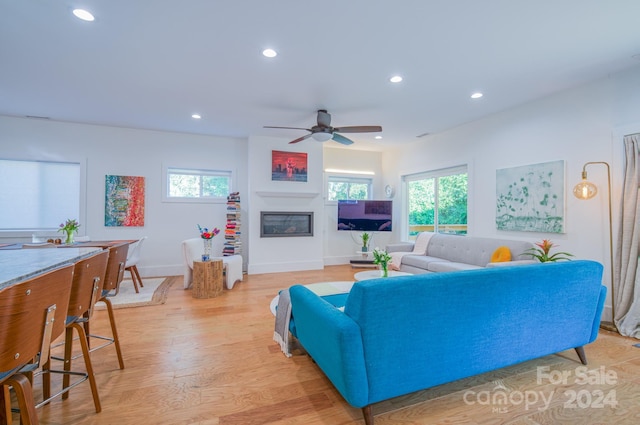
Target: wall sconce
[(587, 190)]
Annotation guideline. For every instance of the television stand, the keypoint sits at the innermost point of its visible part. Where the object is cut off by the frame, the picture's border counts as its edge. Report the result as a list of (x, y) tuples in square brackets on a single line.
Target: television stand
[(363, 264)]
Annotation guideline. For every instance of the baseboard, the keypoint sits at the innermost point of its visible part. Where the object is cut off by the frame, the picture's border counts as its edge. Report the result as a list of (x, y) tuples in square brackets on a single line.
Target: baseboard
[(154, 271), (284, 267)]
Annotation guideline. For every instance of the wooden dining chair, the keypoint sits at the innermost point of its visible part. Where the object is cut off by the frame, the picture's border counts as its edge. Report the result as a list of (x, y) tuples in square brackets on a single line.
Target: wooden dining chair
[(110, 288), (32, 314), (88, 276)]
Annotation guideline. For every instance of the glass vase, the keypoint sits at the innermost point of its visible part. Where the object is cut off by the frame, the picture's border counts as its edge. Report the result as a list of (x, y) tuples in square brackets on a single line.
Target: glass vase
[(69, 239), (384, 270), (207, 250)]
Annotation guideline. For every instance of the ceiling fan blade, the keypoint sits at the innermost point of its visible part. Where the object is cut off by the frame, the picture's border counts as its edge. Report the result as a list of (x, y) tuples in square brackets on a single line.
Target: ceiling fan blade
[(359, 129), (290, 128), (300, 139), (324, 118), (341, 139)]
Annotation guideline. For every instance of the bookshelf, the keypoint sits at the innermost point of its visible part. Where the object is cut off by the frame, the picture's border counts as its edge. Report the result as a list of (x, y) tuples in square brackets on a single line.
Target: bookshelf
[(232, 242)]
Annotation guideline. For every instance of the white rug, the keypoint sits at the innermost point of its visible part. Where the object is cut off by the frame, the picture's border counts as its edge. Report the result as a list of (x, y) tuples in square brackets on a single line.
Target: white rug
[(153, 292)]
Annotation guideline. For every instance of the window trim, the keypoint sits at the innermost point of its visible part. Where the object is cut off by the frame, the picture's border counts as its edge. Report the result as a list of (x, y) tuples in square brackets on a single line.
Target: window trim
[(82, 199), (167, 170), (349, 179), (432, 174)]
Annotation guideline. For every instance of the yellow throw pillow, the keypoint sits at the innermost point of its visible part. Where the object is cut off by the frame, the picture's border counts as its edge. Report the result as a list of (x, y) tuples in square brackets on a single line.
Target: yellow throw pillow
[(501, 255)]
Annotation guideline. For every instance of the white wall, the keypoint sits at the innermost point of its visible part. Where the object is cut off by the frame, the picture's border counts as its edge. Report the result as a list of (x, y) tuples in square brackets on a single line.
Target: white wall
[(342, 246), (289, 253), (577, 126), (124, 151), (580, 125)]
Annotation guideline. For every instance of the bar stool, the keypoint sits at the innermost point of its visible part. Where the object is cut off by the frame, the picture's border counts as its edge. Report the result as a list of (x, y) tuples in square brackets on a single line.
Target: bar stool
[(32, 314), (85, 291), (113, 276)]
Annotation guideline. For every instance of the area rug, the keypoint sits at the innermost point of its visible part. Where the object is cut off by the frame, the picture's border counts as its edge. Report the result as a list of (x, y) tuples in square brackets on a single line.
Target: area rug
[(154, 292)]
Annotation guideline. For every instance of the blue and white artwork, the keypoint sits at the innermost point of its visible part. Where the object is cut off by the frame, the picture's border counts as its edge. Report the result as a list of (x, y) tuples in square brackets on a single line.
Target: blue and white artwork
[(530, 198)]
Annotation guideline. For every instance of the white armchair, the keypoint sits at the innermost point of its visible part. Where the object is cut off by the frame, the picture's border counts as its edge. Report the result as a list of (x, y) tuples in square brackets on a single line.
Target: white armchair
[(192, 250)]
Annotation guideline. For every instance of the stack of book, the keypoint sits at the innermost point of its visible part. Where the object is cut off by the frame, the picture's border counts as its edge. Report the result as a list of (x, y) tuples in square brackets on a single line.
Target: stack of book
[(232, 243)]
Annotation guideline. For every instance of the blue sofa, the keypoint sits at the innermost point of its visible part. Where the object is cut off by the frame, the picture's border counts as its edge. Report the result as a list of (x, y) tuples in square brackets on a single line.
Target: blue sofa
[(399, 335)]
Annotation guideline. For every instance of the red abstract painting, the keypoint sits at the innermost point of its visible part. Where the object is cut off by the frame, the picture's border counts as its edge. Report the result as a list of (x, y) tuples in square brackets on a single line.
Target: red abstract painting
[(124, 201)]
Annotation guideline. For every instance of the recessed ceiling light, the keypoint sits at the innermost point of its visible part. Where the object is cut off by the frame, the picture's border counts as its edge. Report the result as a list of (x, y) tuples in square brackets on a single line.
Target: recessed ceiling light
[(196, 116), (270, 53), (378, 137), (476, 95), (83, 14), (395, 79)]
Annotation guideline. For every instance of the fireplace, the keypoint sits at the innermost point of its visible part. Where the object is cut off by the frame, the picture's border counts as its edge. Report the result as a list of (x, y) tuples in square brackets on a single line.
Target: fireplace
[(279, 224)]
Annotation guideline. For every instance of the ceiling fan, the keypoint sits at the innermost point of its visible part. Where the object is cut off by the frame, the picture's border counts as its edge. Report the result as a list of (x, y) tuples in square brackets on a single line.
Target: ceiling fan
[(323, 131)]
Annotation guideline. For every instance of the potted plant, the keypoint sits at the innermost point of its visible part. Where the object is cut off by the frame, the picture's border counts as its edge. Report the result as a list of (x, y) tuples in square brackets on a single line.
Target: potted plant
[(365, 238), (542, 252)]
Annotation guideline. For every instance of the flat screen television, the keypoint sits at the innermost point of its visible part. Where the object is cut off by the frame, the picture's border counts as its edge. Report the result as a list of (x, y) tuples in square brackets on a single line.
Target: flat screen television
[(365, 215)]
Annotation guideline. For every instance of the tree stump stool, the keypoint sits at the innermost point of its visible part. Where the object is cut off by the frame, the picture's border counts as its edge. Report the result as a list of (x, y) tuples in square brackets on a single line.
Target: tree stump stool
[(207, 279)]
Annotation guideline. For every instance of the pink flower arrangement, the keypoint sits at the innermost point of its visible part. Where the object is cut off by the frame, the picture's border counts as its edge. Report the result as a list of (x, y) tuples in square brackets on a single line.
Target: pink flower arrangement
[(208, 234)]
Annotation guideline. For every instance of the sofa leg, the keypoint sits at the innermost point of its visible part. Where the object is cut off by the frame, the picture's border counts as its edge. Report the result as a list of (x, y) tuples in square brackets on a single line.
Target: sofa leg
[(367, 412), (581, 355)]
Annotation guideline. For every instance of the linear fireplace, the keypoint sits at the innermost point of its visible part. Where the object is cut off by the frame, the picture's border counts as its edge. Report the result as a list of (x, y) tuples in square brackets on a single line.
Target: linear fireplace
[(279, 224)]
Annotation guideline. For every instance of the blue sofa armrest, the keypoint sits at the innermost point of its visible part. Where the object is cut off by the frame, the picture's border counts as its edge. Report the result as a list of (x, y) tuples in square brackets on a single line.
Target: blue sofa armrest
[(334, 342)]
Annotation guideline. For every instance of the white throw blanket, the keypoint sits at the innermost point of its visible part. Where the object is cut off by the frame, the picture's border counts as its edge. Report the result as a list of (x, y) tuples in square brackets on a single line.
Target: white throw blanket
[(419, 248), (283, 311)]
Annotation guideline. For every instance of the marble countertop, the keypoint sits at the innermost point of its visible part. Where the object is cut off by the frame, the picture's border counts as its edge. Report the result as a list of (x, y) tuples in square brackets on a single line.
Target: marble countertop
[(20, 264)]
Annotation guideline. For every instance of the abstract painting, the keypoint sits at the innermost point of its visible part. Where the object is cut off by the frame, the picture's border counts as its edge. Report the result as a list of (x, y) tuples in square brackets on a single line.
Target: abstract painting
[(288, 166), (531, 198), (124, 201)]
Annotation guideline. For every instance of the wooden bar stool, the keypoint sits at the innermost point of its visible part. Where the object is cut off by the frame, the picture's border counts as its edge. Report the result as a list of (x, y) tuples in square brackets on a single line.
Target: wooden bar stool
[(32, 313), (85, 291), (110, 288)]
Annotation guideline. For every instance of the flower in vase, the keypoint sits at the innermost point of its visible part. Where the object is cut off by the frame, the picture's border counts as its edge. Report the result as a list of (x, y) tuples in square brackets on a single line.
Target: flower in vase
[(70, 226), (382, 258), (206, 233)]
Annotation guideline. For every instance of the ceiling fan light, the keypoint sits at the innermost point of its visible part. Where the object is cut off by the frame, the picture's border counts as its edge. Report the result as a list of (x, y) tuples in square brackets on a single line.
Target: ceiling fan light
[(322, 136)]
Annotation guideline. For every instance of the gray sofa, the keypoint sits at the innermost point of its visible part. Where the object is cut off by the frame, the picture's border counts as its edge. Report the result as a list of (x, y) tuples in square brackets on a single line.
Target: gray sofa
[(446, 252)]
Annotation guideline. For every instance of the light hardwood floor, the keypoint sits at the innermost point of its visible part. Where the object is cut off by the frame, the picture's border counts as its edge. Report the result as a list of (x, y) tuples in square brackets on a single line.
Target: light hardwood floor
[(213, 362)]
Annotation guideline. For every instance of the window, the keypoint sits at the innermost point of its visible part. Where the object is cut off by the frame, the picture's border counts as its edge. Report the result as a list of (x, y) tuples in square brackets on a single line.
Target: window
[(38, 195), (190, 185), (348, 188), (437, 201)]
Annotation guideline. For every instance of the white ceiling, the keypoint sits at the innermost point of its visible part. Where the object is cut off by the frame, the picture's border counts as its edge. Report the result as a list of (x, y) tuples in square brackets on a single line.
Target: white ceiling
[(152, 63)]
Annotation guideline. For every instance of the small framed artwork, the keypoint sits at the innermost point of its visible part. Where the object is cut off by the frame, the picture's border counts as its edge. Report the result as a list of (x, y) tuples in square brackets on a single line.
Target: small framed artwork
[(288, 166), (124, 201)]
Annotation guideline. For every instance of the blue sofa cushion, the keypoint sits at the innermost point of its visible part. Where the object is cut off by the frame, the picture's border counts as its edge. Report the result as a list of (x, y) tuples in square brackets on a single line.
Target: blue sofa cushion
[(336, 300)]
